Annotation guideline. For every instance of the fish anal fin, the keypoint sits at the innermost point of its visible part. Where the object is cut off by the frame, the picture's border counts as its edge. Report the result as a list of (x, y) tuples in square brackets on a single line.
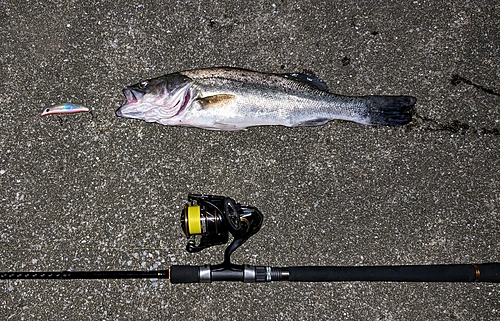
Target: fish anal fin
[(216, 100), (314, 122)]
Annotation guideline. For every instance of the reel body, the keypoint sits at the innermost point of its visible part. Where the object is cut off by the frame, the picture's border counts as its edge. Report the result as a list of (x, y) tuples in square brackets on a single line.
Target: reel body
[(214, 218)]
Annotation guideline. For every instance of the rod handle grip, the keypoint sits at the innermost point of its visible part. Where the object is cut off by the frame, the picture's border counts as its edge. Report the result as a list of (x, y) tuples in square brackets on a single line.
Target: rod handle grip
[(486, 272), (184, 274), (490, 272)]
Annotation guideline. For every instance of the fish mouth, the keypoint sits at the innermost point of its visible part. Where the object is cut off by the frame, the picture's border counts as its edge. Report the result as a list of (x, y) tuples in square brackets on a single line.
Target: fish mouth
[(153, 108), (132, 95)]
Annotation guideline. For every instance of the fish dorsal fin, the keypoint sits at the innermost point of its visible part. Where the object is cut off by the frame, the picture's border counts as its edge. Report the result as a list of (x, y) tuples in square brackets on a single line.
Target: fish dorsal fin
[(308, 79), (216, 100)]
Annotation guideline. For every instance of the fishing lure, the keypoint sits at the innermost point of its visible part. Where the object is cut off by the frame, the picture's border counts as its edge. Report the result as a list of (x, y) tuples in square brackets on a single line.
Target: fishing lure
[(65, 108)]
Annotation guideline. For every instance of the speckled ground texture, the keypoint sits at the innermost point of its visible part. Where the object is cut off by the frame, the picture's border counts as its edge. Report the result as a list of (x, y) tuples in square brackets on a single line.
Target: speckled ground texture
[(104, 193)]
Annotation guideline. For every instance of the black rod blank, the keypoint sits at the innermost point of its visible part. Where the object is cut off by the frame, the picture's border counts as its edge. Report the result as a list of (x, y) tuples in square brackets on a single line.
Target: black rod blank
[(71, 275)]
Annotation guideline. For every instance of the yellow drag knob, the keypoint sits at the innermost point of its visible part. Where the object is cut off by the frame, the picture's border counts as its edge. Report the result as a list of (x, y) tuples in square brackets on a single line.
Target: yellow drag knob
[(193, 220)]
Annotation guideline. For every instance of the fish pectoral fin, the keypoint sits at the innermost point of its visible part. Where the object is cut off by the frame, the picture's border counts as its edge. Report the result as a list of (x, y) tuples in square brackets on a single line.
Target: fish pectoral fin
[(216, 100)]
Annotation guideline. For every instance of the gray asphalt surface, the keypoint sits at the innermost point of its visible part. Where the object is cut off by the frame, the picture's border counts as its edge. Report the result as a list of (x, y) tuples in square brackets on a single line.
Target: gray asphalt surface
[(103, 193)]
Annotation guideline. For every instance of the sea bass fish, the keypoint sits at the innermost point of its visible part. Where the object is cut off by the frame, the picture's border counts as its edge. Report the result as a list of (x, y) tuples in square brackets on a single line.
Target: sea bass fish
[(234, 99)]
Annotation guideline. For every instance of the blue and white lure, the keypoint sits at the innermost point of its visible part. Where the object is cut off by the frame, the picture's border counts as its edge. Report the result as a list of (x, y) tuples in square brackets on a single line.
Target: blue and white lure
[(65, 108)]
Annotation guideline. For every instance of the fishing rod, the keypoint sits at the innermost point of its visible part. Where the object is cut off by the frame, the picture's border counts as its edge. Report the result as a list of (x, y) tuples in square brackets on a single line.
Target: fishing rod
[(215, 217)]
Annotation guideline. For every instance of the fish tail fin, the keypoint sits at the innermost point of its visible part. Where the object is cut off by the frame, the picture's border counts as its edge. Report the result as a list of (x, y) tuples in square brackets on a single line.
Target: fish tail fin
[(389, 110)]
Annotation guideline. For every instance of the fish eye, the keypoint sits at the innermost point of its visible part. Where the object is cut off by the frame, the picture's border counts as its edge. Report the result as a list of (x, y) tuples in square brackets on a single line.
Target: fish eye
[(47, 110), (143, 84)]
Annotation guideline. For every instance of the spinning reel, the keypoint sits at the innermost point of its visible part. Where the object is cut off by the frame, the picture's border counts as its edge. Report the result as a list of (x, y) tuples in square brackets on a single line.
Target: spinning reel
[(214, 218)]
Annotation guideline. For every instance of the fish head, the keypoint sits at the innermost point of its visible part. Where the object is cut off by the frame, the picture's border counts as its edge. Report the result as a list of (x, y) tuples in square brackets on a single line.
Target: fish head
[(155, 99)]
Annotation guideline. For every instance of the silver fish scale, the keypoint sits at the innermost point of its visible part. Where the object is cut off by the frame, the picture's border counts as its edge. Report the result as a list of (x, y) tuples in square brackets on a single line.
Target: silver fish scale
[(279, 100)]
